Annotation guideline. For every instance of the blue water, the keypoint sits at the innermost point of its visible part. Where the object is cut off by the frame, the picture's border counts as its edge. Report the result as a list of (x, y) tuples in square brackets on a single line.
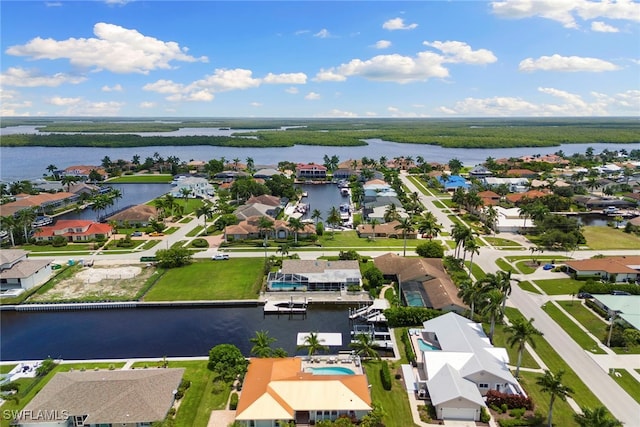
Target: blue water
[(286, 286), (322, 197), (338, 370), (414, 299), (426, 347)]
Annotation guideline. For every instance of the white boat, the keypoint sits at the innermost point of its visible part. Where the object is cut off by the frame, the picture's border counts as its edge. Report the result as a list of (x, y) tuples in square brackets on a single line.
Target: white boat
[(345, 192), (305, 194), (41, 221)]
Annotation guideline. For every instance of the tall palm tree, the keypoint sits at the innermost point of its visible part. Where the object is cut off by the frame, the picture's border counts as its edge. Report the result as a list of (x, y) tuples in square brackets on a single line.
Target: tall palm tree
[(313, 344), (170, 203), (471, 293), (25, 219), (52, 168), (205, 211), (116, 194), (9, 223), (504, 285), (552, 384), (373, 223), (265, 225), (407, 226), (492, 307), (296, 225), (391, 213), (185, 193), (521, 332), (471, 246), (284, 250), (333, 219), (598, 417), (316, 215), (262, 344), (364, 346)]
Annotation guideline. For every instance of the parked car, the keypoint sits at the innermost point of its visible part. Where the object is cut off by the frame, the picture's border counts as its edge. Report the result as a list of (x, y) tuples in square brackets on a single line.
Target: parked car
[(620, 293), (136, 234), (584, 295), (155, 234), (219, 257), (548, 267)]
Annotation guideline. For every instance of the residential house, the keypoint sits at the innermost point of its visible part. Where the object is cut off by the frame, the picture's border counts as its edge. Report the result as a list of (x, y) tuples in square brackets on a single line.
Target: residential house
[(515, 185), (310, 171), (424, 281), (531, 194), (521, 173), (453, 182), (385, 230), (625, 307), (283, 389), (18, 272), (510, 220), (135, 216), (458, 365), (489, 198), (197, 165), (132, 398), (614, 269), (43, 202), (47, 186), (194, 187), (315, 275), (344, 173), (73, 230), (479, 172), (83, 171), (230, 176), (248, 229), (266, 173)]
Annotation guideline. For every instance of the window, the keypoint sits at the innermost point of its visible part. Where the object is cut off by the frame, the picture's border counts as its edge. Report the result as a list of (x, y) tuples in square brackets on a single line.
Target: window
[(483, 385)]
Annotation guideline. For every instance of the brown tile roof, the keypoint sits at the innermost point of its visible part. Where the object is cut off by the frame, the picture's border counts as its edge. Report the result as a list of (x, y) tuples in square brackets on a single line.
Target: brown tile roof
[(25, 268), (135, 213), (531, 194), (109, 397), (521, 172), (611, 265), (59, 228), (265, 199), (384, 229)]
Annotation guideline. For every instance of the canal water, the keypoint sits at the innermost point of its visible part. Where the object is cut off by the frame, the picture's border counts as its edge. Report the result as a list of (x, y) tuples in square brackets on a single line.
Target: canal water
[(157, 332), (322, 197)]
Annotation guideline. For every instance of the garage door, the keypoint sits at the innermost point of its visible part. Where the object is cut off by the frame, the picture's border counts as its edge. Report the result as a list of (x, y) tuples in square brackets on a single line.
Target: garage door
[(458, 414)]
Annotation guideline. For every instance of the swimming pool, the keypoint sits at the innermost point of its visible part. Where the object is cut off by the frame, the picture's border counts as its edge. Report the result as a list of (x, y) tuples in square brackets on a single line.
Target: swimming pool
[(413, 299), (424, 346), (330, 370), (287, 286)]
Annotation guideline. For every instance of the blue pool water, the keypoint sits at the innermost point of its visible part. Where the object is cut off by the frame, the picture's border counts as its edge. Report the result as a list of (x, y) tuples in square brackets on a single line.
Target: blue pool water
[(426, 347), (287, 285), (413, 299), (338, 370)]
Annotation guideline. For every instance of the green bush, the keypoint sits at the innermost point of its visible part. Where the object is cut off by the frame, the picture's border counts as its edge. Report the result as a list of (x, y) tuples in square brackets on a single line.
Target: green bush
[(59, 242), (385, 376), (512, 422), (606, 288), (430, 249), (200, 243), (411, 356), (517, 413), (485, 416), (233, 401)]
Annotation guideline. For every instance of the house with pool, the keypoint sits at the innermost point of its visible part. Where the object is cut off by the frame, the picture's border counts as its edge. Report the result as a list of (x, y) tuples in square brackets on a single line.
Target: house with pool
[(456, 365), (314, 275), (303, 390)]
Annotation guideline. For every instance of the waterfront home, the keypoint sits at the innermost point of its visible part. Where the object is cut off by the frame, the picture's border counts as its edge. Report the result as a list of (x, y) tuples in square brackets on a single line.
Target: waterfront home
[(19, 273), (191, 187), (516, 198), (424, 281), (385, 230), (196, 166), (310, 171), (249, 210), (229, 176), (509, 220), (479, 172), (83, 171), (74, 230), (315, 275), (625, 307), (249, 229), (515, 185), (43, 202), (135, 216), (613, 269), (521, 173), (453, 182), (266, 173), (96, 398), (489, 198), (457, 365), (47, 186), (290, 389)]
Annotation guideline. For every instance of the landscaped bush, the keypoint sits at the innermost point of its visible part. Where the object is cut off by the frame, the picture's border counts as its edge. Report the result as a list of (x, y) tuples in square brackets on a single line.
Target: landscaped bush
[(411, 356), (409, 316), (513, 401), (514, 422), (200, 243), (430, 249), (385, 376), (233, 401), (605, 288), (595, 307), (485, 416), (59, 242)]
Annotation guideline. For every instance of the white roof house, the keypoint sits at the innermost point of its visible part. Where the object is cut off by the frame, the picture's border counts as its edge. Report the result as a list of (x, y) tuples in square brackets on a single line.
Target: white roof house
[(461, 367), (197, 187), (509, 220)]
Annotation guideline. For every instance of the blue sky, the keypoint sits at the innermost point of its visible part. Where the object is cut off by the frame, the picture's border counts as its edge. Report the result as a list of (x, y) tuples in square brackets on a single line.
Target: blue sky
[(320, 59)]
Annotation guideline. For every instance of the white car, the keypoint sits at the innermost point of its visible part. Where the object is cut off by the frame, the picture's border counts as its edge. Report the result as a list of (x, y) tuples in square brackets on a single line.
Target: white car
[(218, 257)]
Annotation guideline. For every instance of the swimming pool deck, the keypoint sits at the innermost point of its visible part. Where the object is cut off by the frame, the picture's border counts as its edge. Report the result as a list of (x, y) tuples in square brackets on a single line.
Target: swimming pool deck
[(332, 361), (414, 336)]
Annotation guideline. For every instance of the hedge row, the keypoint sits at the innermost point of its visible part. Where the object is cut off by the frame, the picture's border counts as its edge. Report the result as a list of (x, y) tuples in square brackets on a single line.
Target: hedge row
[(605, 288), (511, 400), (385, 376)]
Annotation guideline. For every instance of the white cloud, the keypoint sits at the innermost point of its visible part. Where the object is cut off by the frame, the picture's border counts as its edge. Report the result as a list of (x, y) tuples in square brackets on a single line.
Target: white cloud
[(256, 104), (57, 100), (566, 63), (370, 114), (117, 49), (312, 96), (398, 24), (164, 86), (565, 11), (456, 51), (329, 76), (20, 77), (382, 44), (114, 88), (338, 113), (292, 90), (601, 27), (300, 32), (147, 104), (291, 78), (323, 34), (11, 104)]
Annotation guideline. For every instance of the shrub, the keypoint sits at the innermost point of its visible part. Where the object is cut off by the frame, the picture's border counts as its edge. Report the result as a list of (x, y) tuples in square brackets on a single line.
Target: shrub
[(504, 408), (45, 367), (411, 356), (233, 401), (385, 376), (517, 413), (605, 288), (511, 401), (59, 242), (510, 422), (200, 243), (592, 305), (485, 416), (430, 249)]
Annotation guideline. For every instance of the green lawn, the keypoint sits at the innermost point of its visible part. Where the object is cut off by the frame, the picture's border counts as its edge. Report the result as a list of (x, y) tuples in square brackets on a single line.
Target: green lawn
[(476, 271), (586, 317), (525, 267), (562, 412), (394, 402), (536, 257), (498, 241), (201, 398), (500, 340), (141, 179), (350, 239), (527, 286), (583, 395), (578, 335), (5, 369), (504, 265), (602, 238), (70, 247), (237, 278), (564, 286), (628, 383)]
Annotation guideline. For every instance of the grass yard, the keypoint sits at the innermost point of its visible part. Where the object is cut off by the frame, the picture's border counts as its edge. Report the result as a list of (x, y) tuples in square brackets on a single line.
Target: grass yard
[(5, 369), (628, 383), (498, 241), (602, 238), (195, 231), (564, 286), (394, 402), (504, 265), (201, 398), (237, 278), (350, 239), (141, 179), (527, 286), (438, 204), (593, 323), (70, 247), (536, 257), (578, 335), (562, 412), (476, 271), (582, 394), (500, 340)]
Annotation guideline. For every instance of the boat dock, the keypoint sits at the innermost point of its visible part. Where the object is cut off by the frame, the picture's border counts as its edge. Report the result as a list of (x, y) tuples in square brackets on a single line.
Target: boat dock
[(285, 307)]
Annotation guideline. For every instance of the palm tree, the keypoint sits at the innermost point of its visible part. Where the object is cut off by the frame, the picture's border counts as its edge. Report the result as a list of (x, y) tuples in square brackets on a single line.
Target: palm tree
[(521, 332), (407, 226), (363, 346), (552, 384), (296, 225), (333, 219), (9, 223), (52, 168), (262, 344), (313, 344), (428, 224), (460, 233), (25, 219), (491, 216), (284, 250), (316, 215), (185, 193), (373, 223), (471, 246), (598, 417), (391, 213), (169, 203), (492, 307), (116, 194), (265, 225), (471, 293), (205, 211)]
